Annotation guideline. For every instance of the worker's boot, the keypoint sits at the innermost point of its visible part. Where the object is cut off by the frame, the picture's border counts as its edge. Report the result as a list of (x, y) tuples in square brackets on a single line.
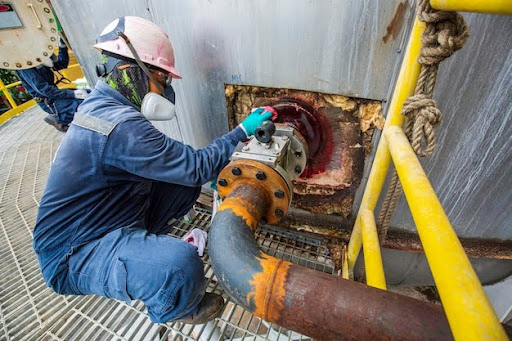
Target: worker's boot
[(210, 307), (53, 121)]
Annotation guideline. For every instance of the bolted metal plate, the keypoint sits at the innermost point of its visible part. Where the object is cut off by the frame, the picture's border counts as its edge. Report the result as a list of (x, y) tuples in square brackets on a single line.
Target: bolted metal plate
[(272, 152), (298, 152), (31, 43), (287, 152)]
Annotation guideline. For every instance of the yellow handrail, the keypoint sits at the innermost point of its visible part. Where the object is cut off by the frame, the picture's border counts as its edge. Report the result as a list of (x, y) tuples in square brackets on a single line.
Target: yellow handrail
[(467, 308), (7, 94), (487, 6), (404, 87), (371, 247), (15, 109), (12, 85)]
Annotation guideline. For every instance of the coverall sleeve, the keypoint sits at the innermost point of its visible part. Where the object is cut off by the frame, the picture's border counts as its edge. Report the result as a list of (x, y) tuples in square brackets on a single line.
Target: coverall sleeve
[(139, 148), (63, 60), (42, 87)]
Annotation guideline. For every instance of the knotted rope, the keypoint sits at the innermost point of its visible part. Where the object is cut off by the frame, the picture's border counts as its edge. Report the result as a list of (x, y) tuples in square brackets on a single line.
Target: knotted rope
[(445, 33)]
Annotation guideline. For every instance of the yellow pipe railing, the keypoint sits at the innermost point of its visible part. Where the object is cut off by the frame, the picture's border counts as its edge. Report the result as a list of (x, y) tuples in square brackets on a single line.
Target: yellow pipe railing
[(404, 87), (15, 111), (7, 94), (12, 85), (487, 6), (467, 308), (371, 247), (15, 108)]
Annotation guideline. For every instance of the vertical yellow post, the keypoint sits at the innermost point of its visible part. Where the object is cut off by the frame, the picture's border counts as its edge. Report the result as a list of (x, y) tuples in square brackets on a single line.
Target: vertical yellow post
[(371, 247), (7, 94), (404, 87), (344, 263), (467, 307)]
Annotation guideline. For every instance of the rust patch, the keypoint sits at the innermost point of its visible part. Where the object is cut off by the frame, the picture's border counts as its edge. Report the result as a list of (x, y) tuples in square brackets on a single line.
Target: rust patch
[(395, 25), (269, 292), (238, 207), (474, 247)]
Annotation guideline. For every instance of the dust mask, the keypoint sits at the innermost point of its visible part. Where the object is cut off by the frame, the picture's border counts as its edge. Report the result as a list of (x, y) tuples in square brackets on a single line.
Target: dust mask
[(157, 108)]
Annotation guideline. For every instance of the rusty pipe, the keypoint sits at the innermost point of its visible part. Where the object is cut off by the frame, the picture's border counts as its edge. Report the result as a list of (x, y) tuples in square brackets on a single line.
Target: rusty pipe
[(316, 304)]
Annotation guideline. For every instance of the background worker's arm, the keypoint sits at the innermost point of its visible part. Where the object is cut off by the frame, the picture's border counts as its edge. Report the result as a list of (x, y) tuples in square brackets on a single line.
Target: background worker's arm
[(31, 78), (63, 57)]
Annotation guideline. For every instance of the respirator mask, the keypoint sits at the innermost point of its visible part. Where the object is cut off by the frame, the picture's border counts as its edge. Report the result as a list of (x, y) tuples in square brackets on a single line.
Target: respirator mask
[(157, 107), (160, 107)]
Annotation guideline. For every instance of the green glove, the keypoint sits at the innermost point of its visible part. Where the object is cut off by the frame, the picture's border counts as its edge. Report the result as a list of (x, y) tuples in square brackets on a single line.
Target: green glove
[(255, 118), (213, 184)]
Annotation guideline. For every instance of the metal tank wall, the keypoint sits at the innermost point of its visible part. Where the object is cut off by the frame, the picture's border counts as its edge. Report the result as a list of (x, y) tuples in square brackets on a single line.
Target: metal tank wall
[(342, 47)]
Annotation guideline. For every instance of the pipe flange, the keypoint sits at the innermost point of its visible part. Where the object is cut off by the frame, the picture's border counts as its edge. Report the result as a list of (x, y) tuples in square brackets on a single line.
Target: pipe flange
[(257, 174)]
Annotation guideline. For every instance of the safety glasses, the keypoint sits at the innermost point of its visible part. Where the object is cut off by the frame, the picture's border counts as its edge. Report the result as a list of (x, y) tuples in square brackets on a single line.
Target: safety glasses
[(162, 77)]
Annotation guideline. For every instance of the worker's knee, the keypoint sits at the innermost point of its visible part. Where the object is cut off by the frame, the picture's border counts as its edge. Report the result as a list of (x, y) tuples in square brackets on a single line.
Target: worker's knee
[(170, 281), (177, 300)]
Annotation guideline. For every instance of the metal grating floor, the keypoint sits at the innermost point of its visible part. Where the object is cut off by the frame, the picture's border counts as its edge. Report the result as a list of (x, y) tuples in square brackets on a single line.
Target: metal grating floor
[(31, 311)]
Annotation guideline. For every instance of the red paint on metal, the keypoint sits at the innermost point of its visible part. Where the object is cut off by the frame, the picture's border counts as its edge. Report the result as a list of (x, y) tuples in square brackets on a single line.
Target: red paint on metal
[(319, 164)]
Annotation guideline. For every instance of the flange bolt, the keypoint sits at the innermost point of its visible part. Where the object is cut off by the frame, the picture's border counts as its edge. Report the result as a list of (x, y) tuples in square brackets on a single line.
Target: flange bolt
[(279, 194), (261, 176)]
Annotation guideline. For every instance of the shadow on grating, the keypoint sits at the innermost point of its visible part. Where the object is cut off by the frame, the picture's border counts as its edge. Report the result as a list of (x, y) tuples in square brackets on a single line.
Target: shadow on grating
[(31, 311)]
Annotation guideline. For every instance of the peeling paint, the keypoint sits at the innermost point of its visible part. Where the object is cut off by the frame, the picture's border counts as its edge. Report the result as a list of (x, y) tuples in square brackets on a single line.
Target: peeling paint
[(238, 206), (269, 292)]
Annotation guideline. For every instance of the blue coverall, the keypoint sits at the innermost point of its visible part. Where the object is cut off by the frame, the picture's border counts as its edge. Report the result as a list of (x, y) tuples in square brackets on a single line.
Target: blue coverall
[(114, 184), (40, 84)]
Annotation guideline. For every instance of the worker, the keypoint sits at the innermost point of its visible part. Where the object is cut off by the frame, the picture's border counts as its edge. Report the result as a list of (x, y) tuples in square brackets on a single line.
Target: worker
[(59, 104), (116, 181)]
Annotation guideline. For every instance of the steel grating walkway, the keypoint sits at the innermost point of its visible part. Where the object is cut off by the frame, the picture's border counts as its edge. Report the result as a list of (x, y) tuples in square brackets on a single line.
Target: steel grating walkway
[(31, 311)]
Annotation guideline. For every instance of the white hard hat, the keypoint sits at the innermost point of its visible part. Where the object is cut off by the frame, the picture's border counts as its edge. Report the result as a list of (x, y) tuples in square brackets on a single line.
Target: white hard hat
[(150, 42)]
